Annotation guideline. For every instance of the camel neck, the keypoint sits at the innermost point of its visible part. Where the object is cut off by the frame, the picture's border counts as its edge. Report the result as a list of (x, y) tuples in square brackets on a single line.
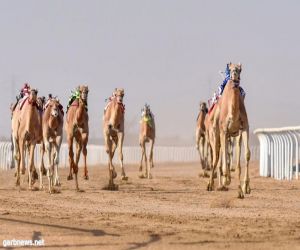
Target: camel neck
[(53, 122), (81, 111)]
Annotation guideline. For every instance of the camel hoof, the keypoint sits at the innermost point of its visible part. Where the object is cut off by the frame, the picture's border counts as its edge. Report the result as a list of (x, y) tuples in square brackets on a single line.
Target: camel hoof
[(203, 175), (124, 178), (141, 176), (209, 187), (41, 188), (17, 183), (232, 169), (246, 188), (57, 184), (23, 170), (149, 176), (240, 193), (223, 188), (70, 177), (86, 177)]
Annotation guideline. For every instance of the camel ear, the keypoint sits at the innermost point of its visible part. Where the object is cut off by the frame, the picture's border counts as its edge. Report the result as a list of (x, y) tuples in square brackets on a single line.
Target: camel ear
[(240, 66)]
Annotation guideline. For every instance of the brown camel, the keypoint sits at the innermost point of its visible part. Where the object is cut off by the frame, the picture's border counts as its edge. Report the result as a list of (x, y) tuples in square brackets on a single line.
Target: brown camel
[(26, 133), (77, 127), (231, 120), (52, 122), (200, 136), (147, 134), (113, 132)]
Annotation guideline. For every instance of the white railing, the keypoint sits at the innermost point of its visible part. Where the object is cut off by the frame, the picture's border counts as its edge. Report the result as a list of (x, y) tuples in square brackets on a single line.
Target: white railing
[(132, 155), (279, 152)]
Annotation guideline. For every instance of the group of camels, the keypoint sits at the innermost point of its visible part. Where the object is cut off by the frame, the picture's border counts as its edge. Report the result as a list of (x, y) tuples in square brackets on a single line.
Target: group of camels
[(215, 128), (37, 121)]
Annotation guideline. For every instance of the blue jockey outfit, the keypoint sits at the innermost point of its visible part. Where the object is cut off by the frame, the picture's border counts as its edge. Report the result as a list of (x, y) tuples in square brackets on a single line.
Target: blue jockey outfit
[(223, 84)]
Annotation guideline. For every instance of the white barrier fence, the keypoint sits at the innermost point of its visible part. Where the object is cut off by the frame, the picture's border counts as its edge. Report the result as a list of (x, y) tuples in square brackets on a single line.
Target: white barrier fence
[(279, 152), (132, 155)]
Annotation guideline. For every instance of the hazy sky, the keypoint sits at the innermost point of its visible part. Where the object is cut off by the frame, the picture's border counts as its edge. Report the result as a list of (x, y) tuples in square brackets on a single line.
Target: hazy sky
[(163, 52)]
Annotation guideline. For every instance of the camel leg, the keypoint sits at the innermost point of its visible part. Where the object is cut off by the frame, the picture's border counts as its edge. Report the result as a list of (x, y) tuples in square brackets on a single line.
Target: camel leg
[(42, 163), (50, 170), (111, 169), (84, 152), (57, 146), (48, 153), (142, 144), (201, 152), (246, 186), (30, 165), (215, 158), (120, 147), (223, 165), (22, 156), (42, 166), (150, 164), (203, 157), (17, 156), (78, 151), (145, 160), (238, 155), (71, 157), (198, 140), (75, 164)]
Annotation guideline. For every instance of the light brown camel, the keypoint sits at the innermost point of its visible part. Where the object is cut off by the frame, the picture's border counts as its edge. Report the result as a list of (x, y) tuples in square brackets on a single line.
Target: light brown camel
[(147, 134), (113, 132), (52, 122), (77, 127), (200, 137), (26, 133), (232, 121)]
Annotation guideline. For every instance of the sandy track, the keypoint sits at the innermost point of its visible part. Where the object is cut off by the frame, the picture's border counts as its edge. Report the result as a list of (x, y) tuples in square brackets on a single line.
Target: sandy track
[(171, 211)]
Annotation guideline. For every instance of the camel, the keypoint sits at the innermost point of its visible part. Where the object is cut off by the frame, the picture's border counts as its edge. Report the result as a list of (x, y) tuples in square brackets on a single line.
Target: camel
[(231, 121), (113, 132), (52, 123), (147, 134), (77, 127), (26, 133), (200, 137)]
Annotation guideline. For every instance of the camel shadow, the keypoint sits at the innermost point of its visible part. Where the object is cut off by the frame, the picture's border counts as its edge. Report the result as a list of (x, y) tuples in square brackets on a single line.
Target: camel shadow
[(94, 232), (153, 238)]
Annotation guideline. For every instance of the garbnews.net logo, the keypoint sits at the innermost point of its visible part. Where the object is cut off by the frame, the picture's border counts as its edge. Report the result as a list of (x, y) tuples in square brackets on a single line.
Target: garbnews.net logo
[(23, 243)]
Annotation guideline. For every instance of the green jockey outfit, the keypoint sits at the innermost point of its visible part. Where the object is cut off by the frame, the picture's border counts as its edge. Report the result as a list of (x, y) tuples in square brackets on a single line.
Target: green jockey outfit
[(75, 95)]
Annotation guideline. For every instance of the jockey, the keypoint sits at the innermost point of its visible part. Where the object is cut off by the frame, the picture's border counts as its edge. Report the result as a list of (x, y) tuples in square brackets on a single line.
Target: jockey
[(75, 95), (109, 99), (225, 80), (24, 91)]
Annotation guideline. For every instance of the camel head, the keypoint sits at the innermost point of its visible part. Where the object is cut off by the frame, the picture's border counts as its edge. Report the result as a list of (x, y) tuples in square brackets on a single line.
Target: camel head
[(119, 93), (84, 91), (33, 95), (146, 110), (203, 106), (41, 102), (54, 106), (235, 71)]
